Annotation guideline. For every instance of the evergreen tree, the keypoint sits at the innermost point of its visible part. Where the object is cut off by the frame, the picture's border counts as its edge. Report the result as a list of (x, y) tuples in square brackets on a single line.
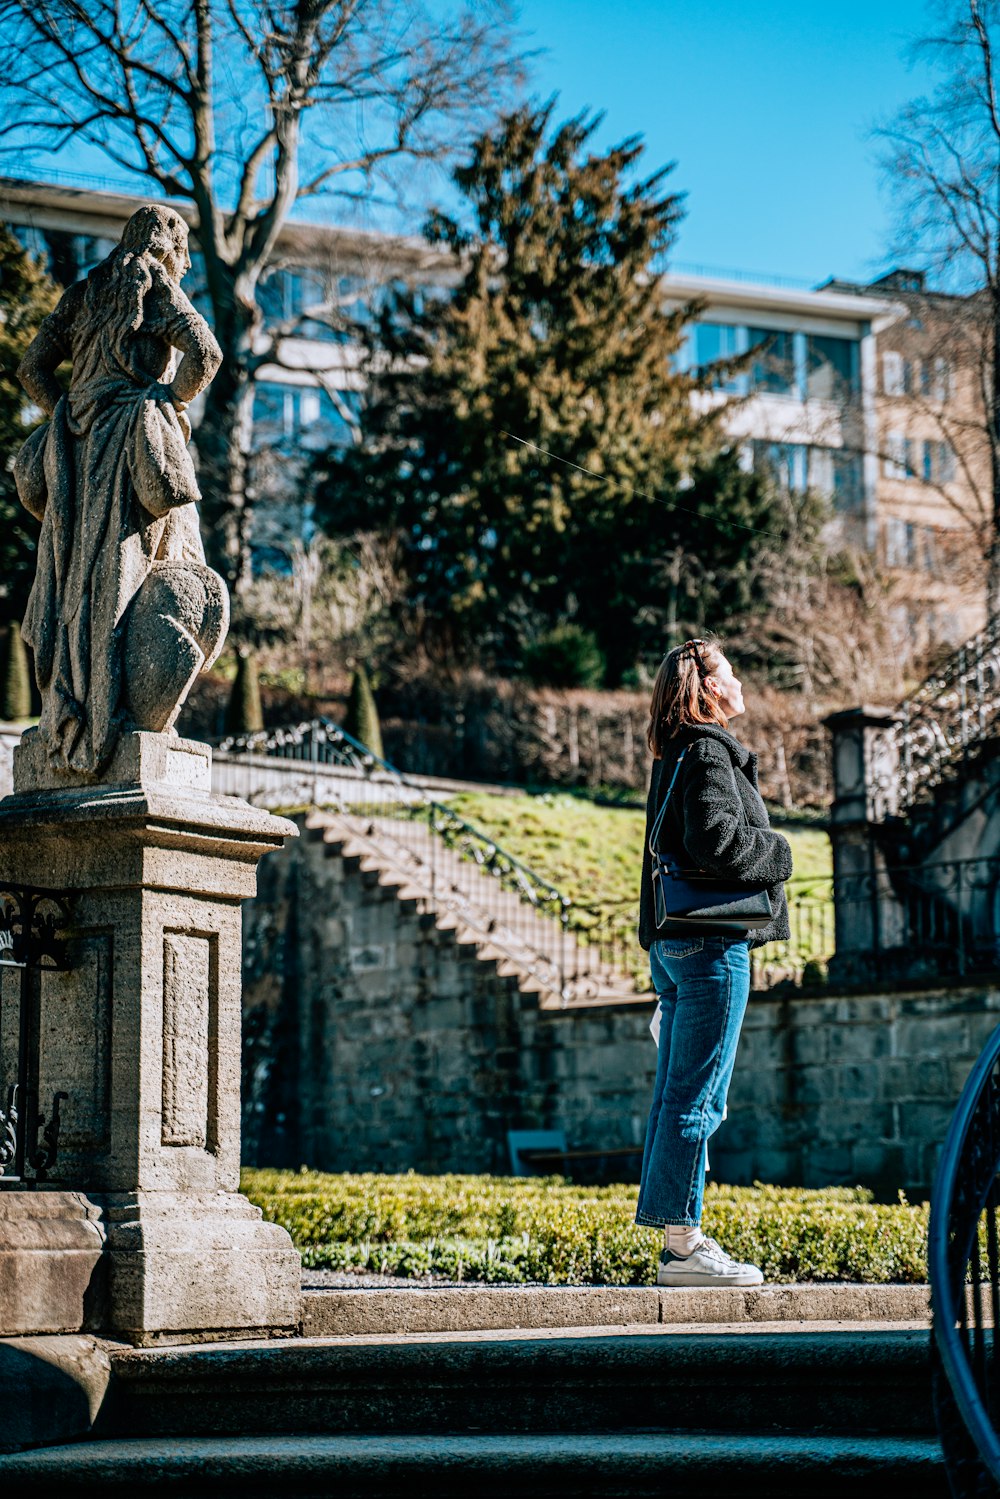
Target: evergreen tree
[(15, 685), (361, 720), (557, 335), (243, 711), (27, 296)]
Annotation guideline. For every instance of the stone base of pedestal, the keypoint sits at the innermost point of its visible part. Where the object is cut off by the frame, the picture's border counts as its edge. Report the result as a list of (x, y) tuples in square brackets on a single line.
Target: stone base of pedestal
[(197, 1265), (148, 1267), (52, 1269), (140, 1035)]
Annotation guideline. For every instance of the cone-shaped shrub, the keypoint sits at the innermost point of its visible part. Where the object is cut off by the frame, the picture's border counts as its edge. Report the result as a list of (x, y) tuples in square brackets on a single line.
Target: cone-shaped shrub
[(362, 715), (15, 688), (243, 711)]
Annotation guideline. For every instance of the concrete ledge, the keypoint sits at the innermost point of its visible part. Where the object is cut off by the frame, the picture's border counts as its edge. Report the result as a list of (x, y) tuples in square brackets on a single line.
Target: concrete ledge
[(822, 1302), (414, 1309)]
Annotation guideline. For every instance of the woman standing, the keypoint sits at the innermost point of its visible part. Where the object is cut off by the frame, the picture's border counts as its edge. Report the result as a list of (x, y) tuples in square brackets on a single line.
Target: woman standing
[(715, 822)]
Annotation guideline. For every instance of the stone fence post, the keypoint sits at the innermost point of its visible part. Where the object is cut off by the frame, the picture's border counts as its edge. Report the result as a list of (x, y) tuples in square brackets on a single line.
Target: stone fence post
[(867, 917)]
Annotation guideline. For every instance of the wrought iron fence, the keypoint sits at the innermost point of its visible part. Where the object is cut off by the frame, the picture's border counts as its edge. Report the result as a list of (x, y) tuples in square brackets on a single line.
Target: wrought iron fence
[(32, 940), (964, 1266), (921, 921), (806, 954), (458, 871), (886, 923), (577, 950)]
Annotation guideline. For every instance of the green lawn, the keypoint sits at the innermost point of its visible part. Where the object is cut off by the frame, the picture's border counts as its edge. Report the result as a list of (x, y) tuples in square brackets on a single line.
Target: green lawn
[(593, 853)]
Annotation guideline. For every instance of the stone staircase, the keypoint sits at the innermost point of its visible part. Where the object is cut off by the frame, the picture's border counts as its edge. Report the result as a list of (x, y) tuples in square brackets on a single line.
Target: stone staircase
[(762, 1411), (527, 944), (400, 829)]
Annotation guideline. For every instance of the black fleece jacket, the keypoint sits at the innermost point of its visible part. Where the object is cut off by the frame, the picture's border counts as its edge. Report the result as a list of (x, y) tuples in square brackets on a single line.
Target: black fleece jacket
[(716, 817)]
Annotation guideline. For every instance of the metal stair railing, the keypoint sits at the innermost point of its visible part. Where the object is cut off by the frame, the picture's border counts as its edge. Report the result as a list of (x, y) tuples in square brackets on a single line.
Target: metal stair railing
[(954, 712), (574, 951), (964, 1267)]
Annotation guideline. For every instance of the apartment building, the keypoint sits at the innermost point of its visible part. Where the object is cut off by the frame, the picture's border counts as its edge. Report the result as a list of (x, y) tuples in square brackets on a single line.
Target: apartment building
[(837, 390), (932, 457), (803, 403)]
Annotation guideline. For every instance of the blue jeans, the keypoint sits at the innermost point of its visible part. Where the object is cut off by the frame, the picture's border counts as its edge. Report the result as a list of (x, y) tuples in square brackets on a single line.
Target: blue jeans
[(704, 985)]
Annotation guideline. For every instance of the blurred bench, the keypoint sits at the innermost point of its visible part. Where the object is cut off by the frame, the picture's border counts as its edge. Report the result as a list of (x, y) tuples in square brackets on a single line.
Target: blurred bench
[(541, 1152)]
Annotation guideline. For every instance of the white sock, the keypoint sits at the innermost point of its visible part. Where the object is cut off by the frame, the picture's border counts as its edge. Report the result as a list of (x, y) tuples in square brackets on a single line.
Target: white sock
[(680, 1239)]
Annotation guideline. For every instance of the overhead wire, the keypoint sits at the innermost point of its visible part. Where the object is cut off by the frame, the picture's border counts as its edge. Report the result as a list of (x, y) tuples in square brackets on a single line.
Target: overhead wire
[(641, 493)]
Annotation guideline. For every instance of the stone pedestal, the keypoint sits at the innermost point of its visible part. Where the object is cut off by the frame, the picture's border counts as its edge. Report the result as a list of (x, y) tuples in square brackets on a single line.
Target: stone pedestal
[(142, 1034)]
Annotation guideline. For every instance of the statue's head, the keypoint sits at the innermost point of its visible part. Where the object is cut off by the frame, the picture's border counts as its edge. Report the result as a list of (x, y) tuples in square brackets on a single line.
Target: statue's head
[(161, 233)]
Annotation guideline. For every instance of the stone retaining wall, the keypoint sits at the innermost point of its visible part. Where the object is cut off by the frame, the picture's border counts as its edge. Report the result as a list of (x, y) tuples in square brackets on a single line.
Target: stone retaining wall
[(835, 1090), (374, 1041)]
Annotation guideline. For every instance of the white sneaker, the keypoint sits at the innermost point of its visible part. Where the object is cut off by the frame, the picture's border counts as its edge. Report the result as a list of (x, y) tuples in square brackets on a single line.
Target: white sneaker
[(707, 1265)]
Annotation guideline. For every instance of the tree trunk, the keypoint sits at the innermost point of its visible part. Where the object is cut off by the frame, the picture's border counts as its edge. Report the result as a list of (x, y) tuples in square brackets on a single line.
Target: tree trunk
[(223, 438), (223, 442), (993, 578)]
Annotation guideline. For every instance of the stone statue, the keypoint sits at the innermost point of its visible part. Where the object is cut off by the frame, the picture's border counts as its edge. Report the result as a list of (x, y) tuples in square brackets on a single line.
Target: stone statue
[(124, 614)]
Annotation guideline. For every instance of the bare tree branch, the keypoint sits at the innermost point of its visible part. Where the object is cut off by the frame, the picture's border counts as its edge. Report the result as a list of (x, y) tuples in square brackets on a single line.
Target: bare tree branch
[(244, 108)]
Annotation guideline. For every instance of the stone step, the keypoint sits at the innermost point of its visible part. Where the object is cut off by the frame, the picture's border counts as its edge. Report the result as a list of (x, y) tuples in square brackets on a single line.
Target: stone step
[(336, 1311), (871, 1380), (532, 1467)]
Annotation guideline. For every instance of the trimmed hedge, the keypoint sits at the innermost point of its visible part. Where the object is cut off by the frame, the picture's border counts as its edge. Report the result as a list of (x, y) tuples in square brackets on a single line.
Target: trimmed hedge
[(515, 1230)]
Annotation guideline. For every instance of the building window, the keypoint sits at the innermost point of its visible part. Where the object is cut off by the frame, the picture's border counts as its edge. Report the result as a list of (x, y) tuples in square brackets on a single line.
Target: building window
[(785, 462), (897, 462), (773, 367), (273, 413), (301, 416), (929, 556), (935, 380), (848, 482), (288, 293), (937, 462), (320, 421), (946, 463), (895, 542), (894, 374), (911, 546), (309, 408), (714, 342), (821, 470), (927, 463), (832, 367)]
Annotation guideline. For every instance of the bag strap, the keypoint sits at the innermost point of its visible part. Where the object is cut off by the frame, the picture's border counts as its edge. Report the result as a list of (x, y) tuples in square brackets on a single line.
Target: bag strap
[(655, 831)]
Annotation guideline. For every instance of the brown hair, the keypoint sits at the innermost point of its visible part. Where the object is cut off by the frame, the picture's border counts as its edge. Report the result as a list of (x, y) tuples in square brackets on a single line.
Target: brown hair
[(679, 693)]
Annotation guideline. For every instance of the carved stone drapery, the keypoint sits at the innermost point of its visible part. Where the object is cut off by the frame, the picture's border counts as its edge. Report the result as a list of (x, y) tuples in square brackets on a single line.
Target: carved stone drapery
[(124, 614)]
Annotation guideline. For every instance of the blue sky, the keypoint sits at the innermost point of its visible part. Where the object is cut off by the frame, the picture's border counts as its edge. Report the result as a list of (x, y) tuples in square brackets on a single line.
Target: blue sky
[(765, 105)]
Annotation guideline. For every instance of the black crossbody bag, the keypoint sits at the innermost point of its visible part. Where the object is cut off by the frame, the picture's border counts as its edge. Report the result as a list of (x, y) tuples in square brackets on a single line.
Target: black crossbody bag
[(694, 898)]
